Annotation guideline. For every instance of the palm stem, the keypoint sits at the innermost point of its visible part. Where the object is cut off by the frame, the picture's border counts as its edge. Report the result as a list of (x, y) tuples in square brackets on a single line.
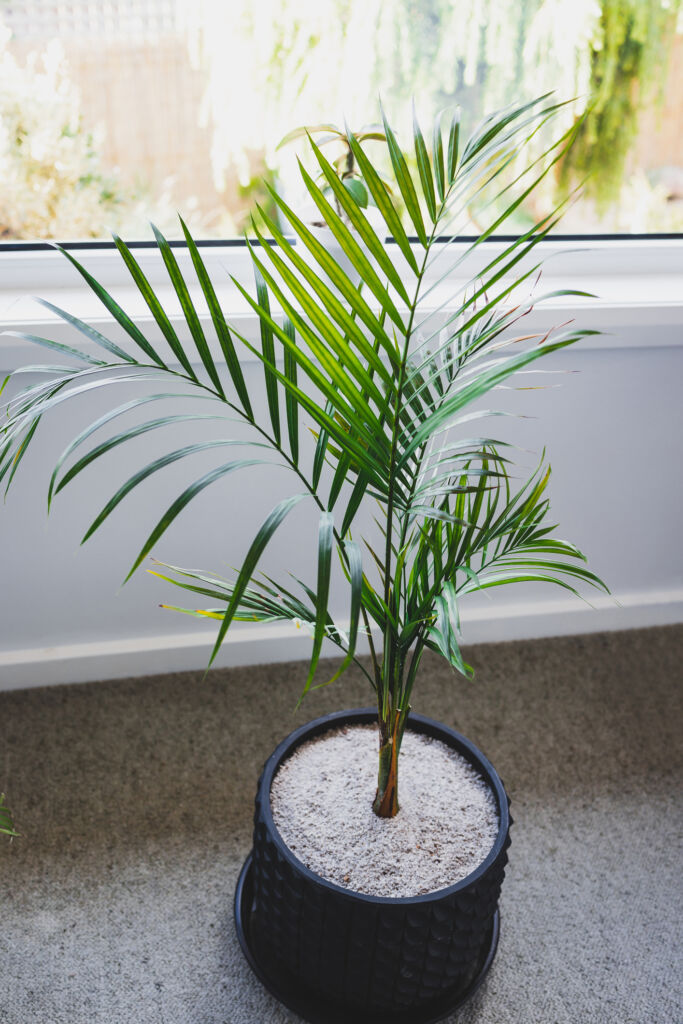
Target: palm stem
[(386, 804)]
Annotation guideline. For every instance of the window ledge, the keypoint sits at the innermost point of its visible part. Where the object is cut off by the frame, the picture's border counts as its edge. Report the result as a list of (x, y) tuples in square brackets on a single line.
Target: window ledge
[(638, 287)]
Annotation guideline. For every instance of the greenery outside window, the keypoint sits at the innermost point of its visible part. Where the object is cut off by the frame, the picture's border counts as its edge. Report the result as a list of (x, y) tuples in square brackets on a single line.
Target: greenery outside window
[(116, 113)]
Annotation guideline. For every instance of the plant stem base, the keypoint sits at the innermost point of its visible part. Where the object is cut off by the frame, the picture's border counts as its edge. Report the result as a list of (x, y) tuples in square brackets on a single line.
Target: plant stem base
[(315, 1008)]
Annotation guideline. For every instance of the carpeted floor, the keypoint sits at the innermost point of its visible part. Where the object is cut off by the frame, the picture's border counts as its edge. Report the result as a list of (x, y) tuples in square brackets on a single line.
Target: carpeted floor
[(134, 799)]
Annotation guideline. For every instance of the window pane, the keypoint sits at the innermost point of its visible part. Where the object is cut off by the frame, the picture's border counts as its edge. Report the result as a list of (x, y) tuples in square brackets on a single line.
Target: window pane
[(115, 112)]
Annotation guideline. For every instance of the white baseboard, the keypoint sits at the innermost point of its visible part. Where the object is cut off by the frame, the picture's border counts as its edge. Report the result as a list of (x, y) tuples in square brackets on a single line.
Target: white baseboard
[(251, 645)]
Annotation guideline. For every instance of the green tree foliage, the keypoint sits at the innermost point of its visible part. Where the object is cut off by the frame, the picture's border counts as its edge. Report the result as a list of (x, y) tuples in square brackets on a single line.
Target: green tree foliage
[(628, 60)]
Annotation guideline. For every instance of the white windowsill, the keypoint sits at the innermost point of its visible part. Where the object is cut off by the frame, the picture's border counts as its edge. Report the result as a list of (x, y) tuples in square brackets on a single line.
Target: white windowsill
[(638, 284)]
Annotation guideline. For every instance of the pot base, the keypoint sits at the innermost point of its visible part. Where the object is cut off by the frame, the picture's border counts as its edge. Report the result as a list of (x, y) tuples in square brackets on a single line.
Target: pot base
[(312, 1007)]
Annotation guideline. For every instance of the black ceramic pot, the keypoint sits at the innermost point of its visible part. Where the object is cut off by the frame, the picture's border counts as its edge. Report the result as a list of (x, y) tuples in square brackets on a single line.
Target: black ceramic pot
[(336, 955)]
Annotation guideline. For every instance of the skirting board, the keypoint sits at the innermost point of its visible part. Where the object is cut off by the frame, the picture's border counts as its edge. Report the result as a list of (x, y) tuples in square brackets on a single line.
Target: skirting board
[(274, 642)]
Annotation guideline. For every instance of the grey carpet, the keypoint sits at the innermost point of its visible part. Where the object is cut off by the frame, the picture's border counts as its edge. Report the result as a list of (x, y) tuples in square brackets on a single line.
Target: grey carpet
[(134, 799)]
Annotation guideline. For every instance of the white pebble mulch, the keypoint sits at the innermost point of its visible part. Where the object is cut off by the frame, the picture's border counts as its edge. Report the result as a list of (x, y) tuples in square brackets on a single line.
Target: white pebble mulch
[(322, 806)]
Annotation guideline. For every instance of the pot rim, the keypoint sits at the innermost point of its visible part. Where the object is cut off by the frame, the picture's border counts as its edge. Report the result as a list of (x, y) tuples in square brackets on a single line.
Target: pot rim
[(430, 726)]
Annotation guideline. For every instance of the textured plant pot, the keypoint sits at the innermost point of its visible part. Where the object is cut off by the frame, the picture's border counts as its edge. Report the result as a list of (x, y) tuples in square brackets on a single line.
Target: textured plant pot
[(371, 954)]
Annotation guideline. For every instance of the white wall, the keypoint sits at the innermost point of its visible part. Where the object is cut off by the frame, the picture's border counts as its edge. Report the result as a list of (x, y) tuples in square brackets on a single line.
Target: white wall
[(612, 431)]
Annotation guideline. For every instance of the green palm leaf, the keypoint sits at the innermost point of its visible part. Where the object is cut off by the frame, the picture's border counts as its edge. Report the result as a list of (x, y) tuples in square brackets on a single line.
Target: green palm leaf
[(189, 311), (352, 250), (325, 545), (101, 422), (116, 311), (405, 182), (268, 349), (250, 562), (379, 193), (66, 350), (361, 224), (186, 497), (357, 306), (129, 435), (291, 407), (153, 467), (155, 307), (424, 168), (324, 330), (88, 331), (218, 320)]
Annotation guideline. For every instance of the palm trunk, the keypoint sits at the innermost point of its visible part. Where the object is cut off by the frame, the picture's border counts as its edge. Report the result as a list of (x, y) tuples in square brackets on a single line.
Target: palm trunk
[(386, 798)]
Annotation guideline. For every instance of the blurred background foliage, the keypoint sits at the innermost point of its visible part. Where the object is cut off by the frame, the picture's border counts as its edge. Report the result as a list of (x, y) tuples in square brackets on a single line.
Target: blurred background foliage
[(112, 114), (628, 58), (53, 180)]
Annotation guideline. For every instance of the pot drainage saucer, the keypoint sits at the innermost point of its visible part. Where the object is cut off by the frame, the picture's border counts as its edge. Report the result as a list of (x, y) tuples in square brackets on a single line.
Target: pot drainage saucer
[(315, 1008)]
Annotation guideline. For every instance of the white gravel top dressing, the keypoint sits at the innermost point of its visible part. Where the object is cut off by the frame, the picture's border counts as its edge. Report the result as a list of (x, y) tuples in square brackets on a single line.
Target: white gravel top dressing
[(322, 806)]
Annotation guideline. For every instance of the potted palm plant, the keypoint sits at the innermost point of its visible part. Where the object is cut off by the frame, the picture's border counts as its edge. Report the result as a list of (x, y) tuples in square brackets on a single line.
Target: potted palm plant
[(372, 376)]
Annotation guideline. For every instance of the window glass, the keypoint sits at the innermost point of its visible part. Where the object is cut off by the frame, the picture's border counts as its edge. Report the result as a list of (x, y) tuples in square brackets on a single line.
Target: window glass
[(117, 112)]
